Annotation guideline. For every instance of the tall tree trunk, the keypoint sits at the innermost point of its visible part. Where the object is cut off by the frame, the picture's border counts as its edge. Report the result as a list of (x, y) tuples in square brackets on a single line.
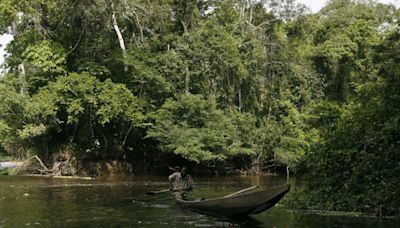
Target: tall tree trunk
[(140, 27), (185, 27), (21, 66), (242, 8), (240, 99), (250, 11), (37, 20), (136, 18), (287, 173), (119, 34), (187, 80), (22, 78)]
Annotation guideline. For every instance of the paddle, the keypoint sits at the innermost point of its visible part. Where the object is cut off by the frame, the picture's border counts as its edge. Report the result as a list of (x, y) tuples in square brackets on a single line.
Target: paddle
[(241, 191), (152, 193)]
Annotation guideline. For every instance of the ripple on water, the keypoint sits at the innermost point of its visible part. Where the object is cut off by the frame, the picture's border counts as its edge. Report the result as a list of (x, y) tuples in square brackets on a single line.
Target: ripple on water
[(73, 203), (160, 206)]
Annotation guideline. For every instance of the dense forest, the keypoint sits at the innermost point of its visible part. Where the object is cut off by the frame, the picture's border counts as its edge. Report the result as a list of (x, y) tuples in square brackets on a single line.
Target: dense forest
[(251, 85)]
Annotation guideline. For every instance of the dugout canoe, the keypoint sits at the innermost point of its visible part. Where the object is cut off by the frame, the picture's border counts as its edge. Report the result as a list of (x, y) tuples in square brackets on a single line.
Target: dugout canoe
[(238, 204)]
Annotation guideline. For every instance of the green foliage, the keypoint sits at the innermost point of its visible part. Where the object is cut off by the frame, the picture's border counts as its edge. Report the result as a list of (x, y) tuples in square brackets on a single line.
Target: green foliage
[(44, 62), (286, 139), (79, 97), (46, 57), (11, 118), (354, 167), (31, 131), (194, 128), (187, 13), (77, 101), (147, 80), (345, 44), (8, 171), (8, 12)]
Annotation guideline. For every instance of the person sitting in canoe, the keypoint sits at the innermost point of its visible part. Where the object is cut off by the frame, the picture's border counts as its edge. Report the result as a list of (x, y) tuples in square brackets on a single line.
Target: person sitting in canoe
[(181, 183)]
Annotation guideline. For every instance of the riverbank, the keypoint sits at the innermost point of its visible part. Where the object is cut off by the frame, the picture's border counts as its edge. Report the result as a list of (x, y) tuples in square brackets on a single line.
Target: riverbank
[(104, 167)]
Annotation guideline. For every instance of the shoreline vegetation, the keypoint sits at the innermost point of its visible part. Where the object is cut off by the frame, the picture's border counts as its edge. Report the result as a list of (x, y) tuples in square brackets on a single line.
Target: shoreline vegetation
[(222, 87)]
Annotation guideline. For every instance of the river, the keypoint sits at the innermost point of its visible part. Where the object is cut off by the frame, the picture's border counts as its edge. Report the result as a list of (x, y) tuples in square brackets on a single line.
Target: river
[(122, 202)]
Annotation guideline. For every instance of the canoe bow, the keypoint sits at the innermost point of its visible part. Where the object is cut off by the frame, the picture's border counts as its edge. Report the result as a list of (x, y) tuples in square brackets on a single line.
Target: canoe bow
[(236, 205)]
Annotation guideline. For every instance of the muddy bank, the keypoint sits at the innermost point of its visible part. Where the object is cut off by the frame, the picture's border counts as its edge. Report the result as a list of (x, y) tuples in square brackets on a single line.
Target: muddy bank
[(66, 164), (104, 168)]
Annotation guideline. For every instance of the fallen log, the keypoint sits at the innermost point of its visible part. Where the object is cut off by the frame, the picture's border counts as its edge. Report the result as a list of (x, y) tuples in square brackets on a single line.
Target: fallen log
[(62, 167), (25, 163)]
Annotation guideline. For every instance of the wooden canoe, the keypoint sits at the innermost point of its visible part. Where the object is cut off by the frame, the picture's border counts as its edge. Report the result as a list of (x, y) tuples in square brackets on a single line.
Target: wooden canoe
[(238, 204)]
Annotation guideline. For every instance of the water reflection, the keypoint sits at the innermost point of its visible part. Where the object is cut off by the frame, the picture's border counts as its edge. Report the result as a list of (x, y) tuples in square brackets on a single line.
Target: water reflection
[(122, 202)]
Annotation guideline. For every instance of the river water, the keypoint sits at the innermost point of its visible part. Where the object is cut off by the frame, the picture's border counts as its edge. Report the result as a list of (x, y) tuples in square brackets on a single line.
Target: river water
[(122, 202)]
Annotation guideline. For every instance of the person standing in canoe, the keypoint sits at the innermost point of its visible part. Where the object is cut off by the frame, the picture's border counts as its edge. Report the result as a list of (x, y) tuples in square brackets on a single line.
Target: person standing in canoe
[(181, 183)]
